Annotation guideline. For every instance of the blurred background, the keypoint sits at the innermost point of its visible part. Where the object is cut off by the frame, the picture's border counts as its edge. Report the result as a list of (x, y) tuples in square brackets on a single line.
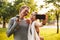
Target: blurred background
[(10, 8)]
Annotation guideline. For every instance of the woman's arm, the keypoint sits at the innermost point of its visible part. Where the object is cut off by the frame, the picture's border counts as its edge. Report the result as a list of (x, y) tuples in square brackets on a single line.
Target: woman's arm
[(45, 20), (40, 24), (37, 27)]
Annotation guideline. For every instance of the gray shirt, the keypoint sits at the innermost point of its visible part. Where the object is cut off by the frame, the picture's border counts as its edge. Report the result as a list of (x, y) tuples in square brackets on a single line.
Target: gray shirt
[(20, 33)]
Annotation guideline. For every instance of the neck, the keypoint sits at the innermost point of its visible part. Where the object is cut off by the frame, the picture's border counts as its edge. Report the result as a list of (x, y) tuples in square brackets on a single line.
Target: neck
[(21, 16), (31, 20)]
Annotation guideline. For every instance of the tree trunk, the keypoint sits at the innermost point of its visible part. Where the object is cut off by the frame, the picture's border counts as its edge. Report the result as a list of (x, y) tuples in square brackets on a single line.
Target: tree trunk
[(57, 16), (4, 23)]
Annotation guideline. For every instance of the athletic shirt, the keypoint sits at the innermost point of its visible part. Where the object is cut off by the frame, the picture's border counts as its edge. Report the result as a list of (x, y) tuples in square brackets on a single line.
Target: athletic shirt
[(22, 32)]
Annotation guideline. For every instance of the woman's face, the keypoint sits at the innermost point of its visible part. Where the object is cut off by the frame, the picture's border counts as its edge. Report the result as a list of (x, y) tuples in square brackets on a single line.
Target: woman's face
[(33, 16), (25, 11)]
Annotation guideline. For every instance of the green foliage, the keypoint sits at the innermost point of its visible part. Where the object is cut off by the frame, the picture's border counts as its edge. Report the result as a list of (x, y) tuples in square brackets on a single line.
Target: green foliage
[(51, 17), (29, 3), (7, 10), (56, 11)]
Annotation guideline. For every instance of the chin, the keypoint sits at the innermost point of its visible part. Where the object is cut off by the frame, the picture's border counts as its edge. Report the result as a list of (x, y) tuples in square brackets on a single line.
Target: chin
[(31, 19)]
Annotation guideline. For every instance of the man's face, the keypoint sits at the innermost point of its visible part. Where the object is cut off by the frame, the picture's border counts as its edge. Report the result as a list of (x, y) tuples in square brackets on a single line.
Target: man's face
[(25, 11)]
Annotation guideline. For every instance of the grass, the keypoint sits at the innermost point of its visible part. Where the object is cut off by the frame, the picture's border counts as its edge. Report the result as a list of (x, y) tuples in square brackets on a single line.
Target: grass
[(3, 35), (47, 33)]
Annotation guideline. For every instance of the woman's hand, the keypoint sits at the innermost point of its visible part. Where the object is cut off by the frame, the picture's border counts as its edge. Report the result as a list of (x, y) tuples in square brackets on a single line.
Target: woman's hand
[(44, 21)]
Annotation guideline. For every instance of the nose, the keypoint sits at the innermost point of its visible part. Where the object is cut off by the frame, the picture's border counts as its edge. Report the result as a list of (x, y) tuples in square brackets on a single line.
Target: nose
[(26, 14)]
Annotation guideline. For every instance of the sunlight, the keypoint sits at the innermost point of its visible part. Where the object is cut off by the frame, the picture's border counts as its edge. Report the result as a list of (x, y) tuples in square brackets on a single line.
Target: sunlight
[(39, 2), (44, 10), (58, 3), (10, 1)]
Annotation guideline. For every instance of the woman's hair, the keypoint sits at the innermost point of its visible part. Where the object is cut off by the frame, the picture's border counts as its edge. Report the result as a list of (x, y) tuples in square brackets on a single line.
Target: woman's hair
[(22, 7), (35, 13)]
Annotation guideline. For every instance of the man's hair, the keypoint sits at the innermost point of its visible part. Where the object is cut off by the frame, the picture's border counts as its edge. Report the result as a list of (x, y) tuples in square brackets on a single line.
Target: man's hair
[(22, 7)]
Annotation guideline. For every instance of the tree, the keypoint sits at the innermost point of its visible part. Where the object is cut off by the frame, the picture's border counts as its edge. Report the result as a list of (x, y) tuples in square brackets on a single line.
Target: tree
[(29, 3), (2, 11), (57, 10), (6, 11)]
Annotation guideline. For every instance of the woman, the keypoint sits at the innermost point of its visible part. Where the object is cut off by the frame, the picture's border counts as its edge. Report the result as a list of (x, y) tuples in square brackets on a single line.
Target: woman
[(18, 26), (36, 25)]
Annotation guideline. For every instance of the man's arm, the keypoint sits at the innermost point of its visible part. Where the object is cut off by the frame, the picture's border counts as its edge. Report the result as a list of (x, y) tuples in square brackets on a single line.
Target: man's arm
[(12, 25)]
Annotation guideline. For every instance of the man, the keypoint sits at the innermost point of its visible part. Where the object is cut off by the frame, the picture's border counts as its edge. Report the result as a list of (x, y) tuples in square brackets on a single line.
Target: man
[(18, 26)]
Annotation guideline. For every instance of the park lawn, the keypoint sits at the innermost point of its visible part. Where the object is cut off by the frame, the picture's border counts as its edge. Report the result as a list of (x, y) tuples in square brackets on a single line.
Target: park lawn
[(47, 33), (3, 35)]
